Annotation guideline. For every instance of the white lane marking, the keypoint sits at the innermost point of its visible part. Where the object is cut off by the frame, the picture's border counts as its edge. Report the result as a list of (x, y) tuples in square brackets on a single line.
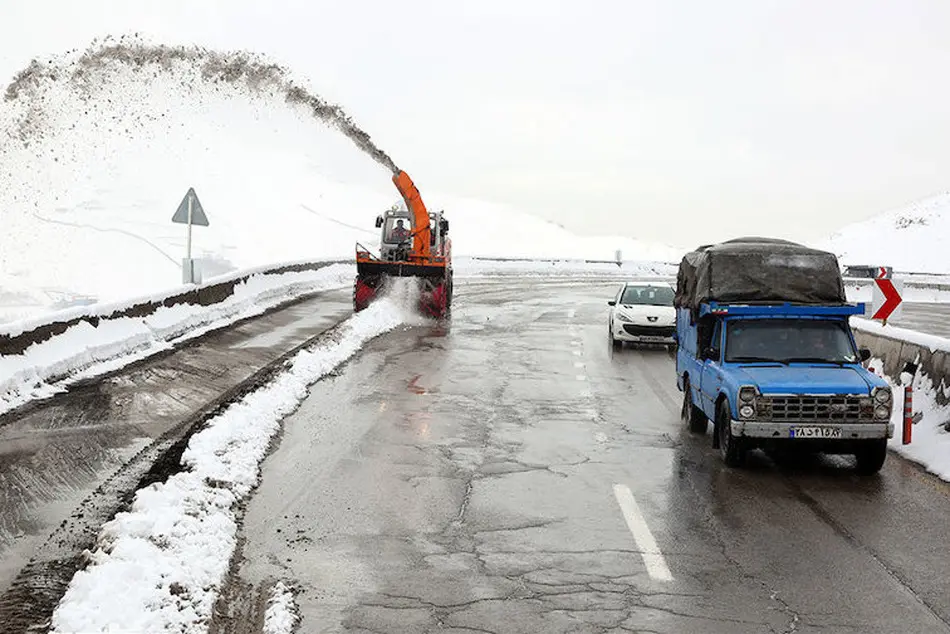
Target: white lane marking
[(581, 377), (575, 342), (571, 313), (652, 557), (576, 353), (578, 364)]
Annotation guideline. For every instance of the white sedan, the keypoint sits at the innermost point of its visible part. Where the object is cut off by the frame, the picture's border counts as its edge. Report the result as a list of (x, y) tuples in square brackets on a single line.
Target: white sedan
[(642, 312)]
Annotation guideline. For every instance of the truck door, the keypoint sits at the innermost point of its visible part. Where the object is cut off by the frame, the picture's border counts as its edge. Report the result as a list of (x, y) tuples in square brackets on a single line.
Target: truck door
[(711, 381)]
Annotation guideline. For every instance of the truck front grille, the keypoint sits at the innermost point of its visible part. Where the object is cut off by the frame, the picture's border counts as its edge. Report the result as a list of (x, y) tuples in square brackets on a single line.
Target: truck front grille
[(840, 408)]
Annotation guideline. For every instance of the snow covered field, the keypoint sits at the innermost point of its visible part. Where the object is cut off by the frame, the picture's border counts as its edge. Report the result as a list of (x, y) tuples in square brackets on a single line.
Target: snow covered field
[(908, 239)]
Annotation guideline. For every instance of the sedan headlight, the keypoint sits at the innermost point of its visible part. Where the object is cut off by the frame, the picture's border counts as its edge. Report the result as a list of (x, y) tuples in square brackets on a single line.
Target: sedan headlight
[(882, 412), (623, 317), (882, 395)]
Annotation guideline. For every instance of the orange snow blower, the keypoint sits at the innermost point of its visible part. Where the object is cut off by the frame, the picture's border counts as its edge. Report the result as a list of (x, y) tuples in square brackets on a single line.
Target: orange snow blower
[(413, 243)]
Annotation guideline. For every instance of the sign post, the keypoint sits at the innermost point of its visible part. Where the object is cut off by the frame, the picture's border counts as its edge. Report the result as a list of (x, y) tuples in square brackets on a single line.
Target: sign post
[(190, 212), (886, 298)]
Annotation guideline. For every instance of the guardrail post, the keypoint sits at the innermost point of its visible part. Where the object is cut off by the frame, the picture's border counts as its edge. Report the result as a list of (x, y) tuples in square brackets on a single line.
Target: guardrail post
[(908, 413), (910, 369)]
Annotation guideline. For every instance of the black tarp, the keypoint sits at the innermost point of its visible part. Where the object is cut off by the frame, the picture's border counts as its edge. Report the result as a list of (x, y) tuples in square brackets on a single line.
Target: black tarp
[(758, 270)]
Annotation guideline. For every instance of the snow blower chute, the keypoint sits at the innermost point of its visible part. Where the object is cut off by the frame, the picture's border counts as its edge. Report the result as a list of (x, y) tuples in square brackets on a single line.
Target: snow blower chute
[(413, 243)]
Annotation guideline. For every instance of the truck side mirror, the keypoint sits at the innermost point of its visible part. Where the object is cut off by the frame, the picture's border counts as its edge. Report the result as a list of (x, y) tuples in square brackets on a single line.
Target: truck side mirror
[(611, 302), (445, 226), (865, 354), (379, 221)]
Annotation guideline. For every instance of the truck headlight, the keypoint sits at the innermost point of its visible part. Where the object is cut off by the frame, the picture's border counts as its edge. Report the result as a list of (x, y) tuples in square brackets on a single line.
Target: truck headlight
[(882, 395), (746, 411), (746, 394), (882, 412)]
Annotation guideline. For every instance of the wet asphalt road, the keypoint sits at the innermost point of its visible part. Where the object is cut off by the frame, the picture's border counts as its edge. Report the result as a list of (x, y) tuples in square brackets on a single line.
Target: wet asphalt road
[(54, 456), (505, 473)]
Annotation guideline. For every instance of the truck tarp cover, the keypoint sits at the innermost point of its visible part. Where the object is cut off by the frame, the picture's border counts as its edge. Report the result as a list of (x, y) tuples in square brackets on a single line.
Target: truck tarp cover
[(758, 270)]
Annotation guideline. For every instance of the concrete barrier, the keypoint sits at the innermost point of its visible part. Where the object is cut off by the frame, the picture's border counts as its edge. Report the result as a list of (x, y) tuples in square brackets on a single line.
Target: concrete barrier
[(894, 350), (211, 292)]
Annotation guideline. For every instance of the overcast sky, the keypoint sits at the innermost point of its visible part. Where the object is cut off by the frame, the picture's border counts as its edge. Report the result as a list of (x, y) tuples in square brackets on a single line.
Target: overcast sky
[(681, 122)]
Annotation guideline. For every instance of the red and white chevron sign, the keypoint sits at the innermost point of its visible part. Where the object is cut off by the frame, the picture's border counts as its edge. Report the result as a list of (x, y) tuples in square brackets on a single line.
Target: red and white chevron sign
[(887, 299)]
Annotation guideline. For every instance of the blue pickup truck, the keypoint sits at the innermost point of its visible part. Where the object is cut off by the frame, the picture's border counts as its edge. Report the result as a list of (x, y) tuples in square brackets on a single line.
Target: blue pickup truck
[(766, 353)]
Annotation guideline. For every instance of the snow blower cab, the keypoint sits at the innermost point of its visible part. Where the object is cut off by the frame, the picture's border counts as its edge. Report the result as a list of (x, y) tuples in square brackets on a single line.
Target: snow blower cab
[(413, 243)]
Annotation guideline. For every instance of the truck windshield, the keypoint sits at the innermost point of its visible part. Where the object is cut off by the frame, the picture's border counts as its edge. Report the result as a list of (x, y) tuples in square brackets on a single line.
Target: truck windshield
[(647, 296), (789, 341)]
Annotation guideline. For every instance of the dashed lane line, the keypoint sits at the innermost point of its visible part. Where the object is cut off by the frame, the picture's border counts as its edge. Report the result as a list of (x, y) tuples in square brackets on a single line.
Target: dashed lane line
[(652, 556)]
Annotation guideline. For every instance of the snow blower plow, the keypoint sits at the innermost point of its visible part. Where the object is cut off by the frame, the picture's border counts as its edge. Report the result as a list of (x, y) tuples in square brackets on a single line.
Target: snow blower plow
[(413, 243)]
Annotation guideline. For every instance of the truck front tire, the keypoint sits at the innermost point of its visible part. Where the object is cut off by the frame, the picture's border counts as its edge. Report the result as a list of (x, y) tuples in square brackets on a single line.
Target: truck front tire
[(731, 448), (871, 456)]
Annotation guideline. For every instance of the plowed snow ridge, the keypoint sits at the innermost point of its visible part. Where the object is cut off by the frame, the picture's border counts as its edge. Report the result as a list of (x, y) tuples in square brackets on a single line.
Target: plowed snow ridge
[(160, 566)]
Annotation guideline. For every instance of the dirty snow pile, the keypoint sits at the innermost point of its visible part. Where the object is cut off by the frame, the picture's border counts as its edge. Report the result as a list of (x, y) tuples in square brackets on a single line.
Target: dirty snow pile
[(281, 616), (930, 438), (930, 445), (85, 351), (160, 566)]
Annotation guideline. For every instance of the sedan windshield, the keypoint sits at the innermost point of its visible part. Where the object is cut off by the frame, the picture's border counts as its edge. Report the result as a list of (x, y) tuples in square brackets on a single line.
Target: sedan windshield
[(788, 341), (647, 296)]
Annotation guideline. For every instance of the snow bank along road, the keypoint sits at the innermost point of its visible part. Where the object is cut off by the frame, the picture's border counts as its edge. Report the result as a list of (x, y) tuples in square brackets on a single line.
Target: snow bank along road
[(504, 472), (56, 454)]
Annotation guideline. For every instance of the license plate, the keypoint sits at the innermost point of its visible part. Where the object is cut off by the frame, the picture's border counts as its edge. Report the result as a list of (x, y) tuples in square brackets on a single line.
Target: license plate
[(814, 432), (651, 338)]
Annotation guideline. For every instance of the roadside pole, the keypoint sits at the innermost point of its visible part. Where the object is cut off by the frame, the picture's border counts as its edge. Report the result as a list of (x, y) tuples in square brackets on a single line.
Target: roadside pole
[(190, 212), (907, 378), (191, 207)]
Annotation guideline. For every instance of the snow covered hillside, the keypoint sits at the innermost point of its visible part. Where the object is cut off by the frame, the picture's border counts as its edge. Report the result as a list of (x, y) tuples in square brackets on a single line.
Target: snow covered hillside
[(94, 163), (909, 238)]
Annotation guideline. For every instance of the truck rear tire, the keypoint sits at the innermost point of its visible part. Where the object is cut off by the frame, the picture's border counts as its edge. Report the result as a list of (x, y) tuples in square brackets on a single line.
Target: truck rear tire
[(692, 415), (731, 448), (871, 456)]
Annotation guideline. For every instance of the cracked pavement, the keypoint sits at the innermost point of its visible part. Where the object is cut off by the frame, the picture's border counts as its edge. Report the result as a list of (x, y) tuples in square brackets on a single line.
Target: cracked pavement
[(458, 478)]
